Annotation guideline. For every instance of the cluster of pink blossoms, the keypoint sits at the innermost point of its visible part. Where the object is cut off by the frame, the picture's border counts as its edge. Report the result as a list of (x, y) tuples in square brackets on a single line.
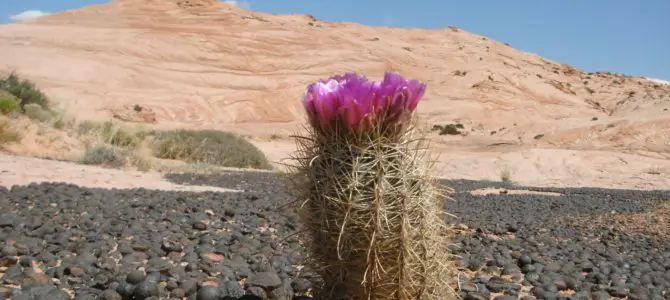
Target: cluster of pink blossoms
[(357, 104)]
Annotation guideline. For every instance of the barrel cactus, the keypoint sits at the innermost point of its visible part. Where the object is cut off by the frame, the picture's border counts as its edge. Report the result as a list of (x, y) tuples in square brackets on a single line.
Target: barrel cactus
[(373, 217)]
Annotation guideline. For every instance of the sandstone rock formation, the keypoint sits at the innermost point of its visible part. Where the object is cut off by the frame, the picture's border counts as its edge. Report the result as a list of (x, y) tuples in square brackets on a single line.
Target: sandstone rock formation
[(205, 64)]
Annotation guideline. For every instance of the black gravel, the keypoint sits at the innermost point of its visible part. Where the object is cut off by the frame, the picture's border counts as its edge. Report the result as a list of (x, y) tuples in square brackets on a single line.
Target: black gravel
[(59, 241)]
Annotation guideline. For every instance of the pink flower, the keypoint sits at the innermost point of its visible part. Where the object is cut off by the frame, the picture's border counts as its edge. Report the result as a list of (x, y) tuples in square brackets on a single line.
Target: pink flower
[(350, 100)]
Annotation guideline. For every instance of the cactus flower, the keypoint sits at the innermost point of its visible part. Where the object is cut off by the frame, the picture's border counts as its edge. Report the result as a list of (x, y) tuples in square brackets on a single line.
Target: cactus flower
[(352, 101), (373, 217)]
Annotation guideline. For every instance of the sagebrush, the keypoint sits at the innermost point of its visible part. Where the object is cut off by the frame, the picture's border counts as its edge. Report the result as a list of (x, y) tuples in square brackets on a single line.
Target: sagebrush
[(210, 147)]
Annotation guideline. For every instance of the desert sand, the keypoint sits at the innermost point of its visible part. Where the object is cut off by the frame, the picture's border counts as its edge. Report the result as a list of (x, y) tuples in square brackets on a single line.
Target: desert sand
[(205, 64)]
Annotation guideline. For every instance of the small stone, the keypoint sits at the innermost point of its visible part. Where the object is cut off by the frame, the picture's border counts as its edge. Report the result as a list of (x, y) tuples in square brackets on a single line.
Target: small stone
[(125, 249), (213, 256), (496, 284), (178, 293), (125, 289), (208, 293), (110, 295), (135, 277), (510, 269), (504, 297), (84, 296), (600, 295), (6, 220), (231, 289), (265, 280), (77, 271), (145, 289), (57, 294), (525, 260), (171, 246), (9, 250), (258, 292), (189, 286), (475, 296), (469, 287), (282, 292), (301, 285), (26, 261), (553, 267), (618, 291), (171, 285), (199, 225), (560, 284), (35, 278)]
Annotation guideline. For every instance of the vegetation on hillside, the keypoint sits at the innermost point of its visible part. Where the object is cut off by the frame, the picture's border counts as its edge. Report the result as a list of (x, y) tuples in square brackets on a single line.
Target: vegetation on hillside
[(119, 145)]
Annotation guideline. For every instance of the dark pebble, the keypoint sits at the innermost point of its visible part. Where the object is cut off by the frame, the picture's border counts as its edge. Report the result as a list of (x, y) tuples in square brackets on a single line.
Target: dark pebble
[(199, 225), (265, 280), (162, 233), (145, 289), (135, 277), (208, 293)]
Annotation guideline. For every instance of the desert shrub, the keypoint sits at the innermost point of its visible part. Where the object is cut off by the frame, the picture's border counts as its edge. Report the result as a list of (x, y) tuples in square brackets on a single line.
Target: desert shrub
[(111, 133), (115, 157), (539, 136), (24, 90), (87, 126), (104, 155), (116, 135), (8, 103), (61, 122), (210, 147), (506, 175), (38, 113), (7, 135), (450, 129)]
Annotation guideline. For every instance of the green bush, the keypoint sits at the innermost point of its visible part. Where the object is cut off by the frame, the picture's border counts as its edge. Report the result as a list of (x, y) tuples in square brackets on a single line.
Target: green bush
[(116, 135), (450, 129), (104, 155), (8, 103), (24, 90), (38, 113), (210, 147)]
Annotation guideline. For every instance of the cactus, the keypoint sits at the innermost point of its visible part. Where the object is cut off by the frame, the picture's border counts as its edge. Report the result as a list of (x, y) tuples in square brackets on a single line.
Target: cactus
[(374, 219)]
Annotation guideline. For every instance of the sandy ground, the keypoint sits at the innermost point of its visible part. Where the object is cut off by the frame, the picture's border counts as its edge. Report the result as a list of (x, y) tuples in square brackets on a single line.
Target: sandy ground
[(204, 64), (18, 170), (536, 166)]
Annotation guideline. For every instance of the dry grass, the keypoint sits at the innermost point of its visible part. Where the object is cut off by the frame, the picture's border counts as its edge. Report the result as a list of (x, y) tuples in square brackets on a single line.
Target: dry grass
[(374, 218), (7, 134), (110, 156), (506, 175), (118, 144)]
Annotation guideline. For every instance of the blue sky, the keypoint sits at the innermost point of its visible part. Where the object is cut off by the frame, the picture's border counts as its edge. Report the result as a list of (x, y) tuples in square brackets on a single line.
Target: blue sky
[(625, 36)]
